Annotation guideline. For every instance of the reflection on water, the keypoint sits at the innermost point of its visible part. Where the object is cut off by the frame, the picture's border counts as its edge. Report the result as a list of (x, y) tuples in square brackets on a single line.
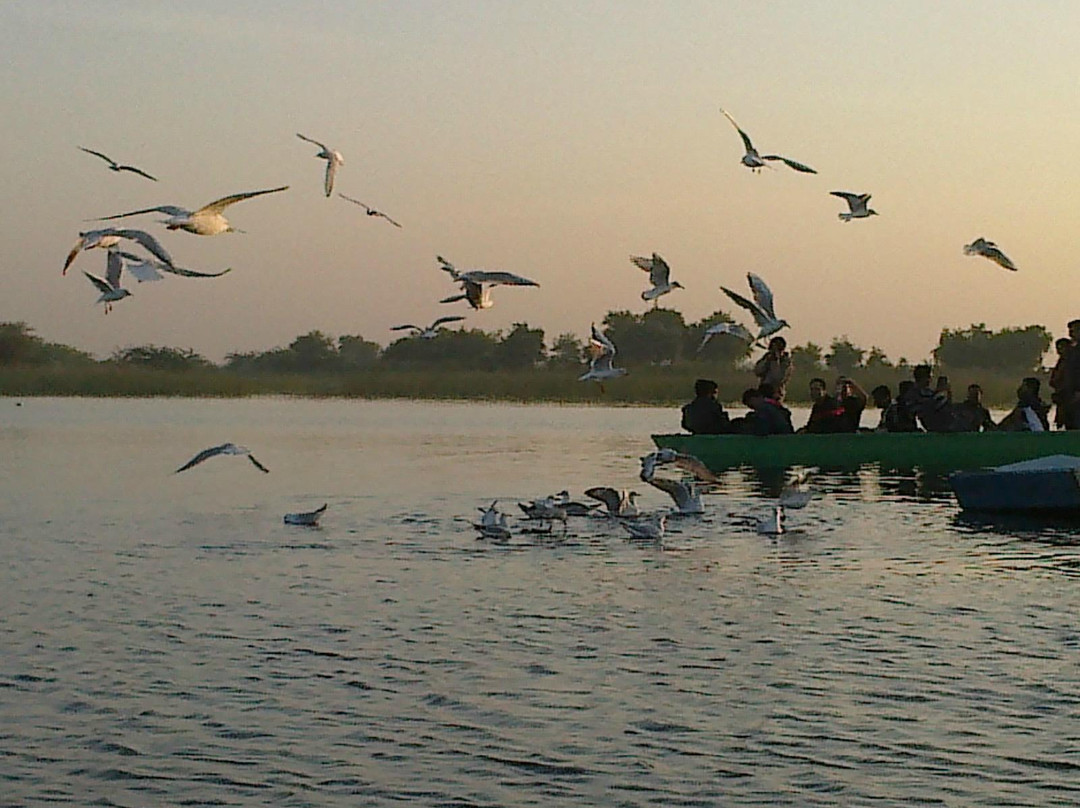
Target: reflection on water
[(168, 641)]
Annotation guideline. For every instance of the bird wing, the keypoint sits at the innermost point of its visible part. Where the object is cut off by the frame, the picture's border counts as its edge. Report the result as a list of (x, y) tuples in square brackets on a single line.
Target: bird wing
[(609, 496), (191, 273), (642, 262), (147, 241), (331, 171), (999, 258), (312, 140), (409, 325), (203, 455), (853, 200), (695, 467), (745, 137), (138, 171), (449, 319), (678, 491), (114, 265), (601, 339), (790, 163), (453, 299), (219, 205), (977, 246), (141, 269), (383, 215), (759, 316), (355, 201), (107, 159), (762, 294), (505, 278), (79, 244), (660, 272), (171, 210), (257, 464), (102, 285)]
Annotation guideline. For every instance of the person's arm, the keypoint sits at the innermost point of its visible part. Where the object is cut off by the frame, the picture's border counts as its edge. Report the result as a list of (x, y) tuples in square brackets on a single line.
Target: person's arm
[(859, 392)]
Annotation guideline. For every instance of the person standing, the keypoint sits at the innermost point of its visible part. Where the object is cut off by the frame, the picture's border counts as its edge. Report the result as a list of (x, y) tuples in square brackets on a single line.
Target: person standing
[(1058, 380), (774, 368)]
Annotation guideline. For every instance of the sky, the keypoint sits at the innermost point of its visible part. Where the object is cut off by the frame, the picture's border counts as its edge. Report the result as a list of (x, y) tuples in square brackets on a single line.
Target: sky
[(550, 139)]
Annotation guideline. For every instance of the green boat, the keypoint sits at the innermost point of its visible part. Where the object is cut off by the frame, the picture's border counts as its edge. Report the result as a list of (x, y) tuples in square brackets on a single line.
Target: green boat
[(896, 450)]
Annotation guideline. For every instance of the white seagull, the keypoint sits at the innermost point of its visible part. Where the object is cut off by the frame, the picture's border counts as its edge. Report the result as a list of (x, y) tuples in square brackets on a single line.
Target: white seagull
[(686, 462), (797, 493), (223, 449), (651, 529), (730, 329), (115, 166), (755, 161), (761, 307), (603, 355), (333, 160), (988, 249), (773, 523), (686, 496), (370, 211), (659, 276), (109, 286), (476, 284), (432, 331), (209, 220), (144, 270), (307, 519), (110, 237), (618, 503), (857, 204), (493, 524)]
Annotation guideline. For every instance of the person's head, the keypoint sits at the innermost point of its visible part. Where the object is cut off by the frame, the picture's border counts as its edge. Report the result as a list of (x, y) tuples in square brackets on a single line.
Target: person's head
[(705, 387), (942, 385), (974, 394), (752, 398), (1062, 345), (844, 387), (767, 390), (1032, 384), (921, 374), (817, 389), (903, 387), (777, 345), (881, 396), (1074, 330)]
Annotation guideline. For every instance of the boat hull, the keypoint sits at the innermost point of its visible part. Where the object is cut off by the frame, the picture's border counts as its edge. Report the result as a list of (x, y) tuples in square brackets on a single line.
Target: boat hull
[(900, 450)]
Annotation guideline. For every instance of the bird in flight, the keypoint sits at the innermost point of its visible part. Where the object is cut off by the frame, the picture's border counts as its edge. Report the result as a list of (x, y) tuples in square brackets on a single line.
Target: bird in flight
[(731, 329), (659, 276), (368, 210), (857, 203), (209, 220), (755, 161), (145, 270), (115, 166), (333, 159), (476, 284), (618, 502), (988, 249), (603, 355), (109, 286), (223, 449), (432, 331), (761, 307), (110, 237)]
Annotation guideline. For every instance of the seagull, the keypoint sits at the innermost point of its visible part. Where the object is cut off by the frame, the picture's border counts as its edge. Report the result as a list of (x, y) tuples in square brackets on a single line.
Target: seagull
[(773, 523), (659, 276), (333, 160), (755, 161), (686, 496), (144, 270), (110, 237), (109, 286), (115, 166), (761, 307), (206, 221), (857, 203), (651, 529), (686, 462), (223, 449), (730, 329), (618, 503), (545, 509), (562, 499), (603, 355), (476, 284), (492, 524), (369, 211), (988, 249), (432, 331), (308, 519), (796, 494)]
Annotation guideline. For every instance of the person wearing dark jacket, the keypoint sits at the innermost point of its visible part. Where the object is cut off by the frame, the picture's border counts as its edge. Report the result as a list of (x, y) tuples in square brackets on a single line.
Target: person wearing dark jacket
[(767, 416), (705, 415)]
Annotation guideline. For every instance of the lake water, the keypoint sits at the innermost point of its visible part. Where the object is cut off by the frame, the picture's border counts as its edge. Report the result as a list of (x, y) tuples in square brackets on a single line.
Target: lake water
[(167, 641)]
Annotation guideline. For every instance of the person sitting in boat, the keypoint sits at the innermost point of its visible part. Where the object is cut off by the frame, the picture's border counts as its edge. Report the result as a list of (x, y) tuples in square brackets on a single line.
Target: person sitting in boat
[(836, 413), (970, 415), (932, 406), (905, 415), (890, 410), (1058, 377), (767, 416), (705, 415), (822, 408), (1030, 412), (774, 368)]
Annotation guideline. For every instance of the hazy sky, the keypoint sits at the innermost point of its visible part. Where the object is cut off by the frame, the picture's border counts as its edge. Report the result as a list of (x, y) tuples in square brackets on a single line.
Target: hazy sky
[(551, 139)]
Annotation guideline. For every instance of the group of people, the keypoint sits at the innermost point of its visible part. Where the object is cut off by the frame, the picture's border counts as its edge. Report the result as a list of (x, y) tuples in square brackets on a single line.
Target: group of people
[(918, 405)]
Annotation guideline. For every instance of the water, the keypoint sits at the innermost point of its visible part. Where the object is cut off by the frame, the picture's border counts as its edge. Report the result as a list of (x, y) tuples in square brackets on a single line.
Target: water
[(168, 641)]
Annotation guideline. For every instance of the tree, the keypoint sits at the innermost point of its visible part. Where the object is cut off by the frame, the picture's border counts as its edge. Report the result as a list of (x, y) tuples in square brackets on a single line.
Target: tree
[(651, 338), (1014, 349), (522, 348), (725, 349), (161, 358), (460, 349), (356, 353), (312, 352), (567, 351), (844, 357), (807, 359), (876, 360), (19, 345)]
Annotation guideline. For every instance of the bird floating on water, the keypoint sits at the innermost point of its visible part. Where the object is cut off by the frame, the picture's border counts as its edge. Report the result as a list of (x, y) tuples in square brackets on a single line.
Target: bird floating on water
[(797, 493), (333, 159), (772, 524), (369, 210), (857, 204), (603, 355), (115, 166), (110, 237), (659, 276), (493, 524), (476, 284), (109, 286), (686, 496), (761, 307), (223, 449), (618, 503), (306, 519), (432, 331), (730, 329), (988, 249), (209, 220), (755, 161), (650, 529)]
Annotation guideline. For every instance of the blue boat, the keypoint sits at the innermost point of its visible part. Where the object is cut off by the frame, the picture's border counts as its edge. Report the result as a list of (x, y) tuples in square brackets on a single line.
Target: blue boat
[(1044, 484)]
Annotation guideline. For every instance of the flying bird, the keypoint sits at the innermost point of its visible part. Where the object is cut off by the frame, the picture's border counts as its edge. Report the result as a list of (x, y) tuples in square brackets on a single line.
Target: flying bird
[(110, 237), (476, 284), (601, 368), (209, 220), (618, 503), (988, 249), (115, 166), (755, 161), (761, 307), (144, 270), (333, 160), (432, 331), (223, 449), (109, 286), (651, 529), (686, 496), (306, 519), (681, 460), (368, 210), (857, 204), (659, 276), (730, 329)]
